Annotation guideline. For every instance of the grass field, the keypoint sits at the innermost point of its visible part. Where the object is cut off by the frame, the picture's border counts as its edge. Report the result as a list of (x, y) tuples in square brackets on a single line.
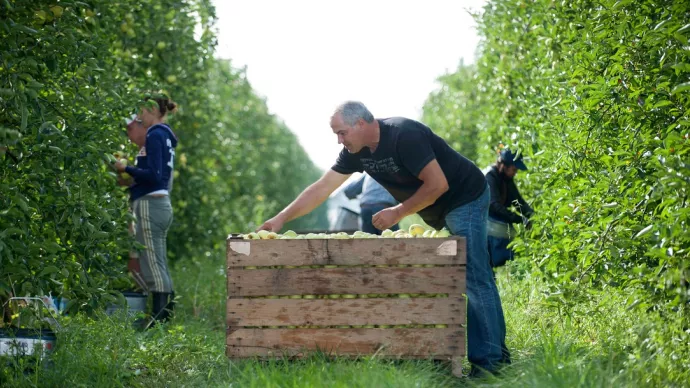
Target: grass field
[(600, 344)]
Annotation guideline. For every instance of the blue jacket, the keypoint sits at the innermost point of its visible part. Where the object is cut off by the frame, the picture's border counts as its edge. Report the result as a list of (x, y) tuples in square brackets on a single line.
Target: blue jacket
[(372, 192), (154, 166)]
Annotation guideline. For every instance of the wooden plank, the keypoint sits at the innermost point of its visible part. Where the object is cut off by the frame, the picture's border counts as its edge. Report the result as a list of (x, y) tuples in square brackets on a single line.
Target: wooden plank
[(382, 251), (418, 343), (352, 312), (325, 281)]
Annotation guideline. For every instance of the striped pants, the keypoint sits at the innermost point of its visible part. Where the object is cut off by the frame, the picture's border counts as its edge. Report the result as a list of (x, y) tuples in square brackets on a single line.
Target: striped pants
[(153, 219)]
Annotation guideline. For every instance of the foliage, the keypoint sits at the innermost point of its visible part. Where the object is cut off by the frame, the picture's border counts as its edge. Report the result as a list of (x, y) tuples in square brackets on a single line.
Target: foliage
[(70, 71), (594, 94), (452, 111)]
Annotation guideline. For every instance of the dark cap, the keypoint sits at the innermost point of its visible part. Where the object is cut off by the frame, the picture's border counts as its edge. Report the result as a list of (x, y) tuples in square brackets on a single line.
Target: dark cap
[(508, 158)]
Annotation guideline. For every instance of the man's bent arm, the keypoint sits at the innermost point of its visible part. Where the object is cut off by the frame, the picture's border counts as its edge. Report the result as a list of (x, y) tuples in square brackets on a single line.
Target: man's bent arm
[(435, 184), (313, 196)]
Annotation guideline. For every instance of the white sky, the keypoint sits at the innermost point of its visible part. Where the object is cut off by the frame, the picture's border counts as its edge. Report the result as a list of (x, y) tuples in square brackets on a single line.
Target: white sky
[(305, 57)]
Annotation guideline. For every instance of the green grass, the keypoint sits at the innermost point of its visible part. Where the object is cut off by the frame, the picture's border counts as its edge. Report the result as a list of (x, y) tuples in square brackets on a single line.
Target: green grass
[(600, 344)]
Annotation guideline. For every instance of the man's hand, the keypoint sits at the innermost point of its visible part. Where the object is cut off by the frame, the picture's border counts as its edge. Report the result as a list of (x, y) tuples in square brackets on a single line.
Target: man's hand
[(386, 218), (275, 224), (119, 166)]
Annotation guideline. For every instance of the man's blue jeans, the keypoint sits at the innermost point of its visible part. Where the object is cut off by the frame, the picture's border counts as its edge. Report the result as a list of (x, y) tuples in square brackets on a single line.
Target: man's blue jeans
[(486, 327)]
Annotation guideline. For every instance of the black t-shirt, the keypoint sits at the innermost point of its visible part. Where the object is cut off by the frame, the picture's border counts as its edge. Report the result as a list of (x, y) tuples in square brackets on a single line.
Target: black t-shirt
[(405, 148)]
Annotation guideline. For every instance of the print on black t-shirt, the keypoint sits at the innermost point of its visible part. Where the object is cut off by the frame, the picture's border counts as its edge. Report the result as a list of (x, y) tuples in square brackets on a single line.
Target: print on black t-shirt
[(405, 148)]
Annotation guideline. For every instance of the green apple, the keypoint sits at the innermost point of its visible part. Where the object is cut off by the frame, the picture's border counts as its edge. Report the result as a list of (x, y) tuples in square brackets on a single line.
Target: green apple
[(443, 233), (309, 296), (348, 296), (403, 295), (290, 233)]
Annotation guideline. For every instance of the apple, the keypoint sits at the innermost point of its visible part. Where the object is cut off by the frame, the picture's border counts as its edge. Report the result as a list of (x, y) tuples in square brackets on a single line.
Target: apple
[(349, 296), (57, 10), (443, 233), (290, 233), (263, 234), (416, 230)]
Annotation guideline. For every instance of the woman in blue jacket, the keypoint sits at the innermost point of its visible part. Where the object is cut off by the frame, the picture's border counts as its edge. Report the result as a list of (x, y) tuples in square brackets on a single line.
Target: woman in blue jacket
[(150, 196)]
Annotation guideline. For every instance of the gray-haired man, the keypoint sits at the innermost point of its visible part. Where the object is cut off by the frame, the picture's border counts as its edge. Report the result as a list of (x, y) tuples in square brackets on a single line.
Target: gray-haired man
[(427, 177)]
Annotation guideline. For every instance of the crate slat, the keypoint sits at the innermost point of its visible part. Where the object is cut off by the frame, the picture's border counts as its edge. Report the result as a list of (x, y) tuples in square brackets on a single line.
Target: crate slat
[(358, 280), (383, 251), (351, 312), (422, 343)]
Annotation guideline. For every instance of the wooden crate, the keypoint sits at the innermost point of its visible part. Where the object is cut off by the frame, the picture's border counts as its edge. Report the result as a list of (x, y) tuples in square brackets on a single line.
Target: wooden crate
[(266, 327)]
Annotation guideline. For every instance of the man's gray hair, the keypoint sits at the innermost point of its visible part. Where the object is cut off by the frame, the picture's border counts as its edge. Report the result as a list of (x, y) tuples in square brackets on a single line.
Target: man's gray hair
[(352, 111)]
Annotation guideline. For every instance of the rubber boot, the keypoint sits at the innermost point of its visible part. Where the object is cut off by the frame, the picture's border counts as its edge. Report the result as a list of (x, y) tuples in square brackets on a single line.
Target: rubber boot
[(163, 305)]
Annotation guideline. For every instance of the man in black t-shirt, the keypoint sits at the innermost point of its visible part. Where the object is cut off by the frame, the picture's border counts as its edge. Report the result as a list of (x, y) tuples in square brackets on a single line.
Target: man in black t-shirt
[(427, 177)]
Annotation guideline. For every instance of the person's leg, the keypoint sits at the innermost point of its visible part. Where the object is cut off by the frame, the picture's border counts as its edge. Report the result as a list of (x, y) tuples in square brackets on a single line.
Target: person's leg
[(485, 322), (499, 252), (156, 218)]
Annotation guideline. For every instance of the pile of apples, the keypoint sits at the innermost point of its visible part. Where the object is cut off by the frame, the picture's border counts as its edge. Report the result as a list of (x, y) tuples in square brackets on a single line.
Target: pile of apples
[(414, 230)]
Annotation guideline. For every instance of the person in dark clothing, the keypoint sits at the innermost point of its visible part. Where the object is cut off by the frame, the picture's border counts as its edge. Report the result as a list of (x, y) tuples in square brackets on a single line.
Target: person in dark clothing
[(426, 176), (504, 194), (150, 197)]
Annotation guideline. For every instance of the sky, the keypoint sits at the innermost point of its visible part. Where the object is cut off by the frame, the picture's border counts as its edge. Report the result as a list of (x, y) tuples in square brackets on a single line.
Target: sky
[(306, 57)]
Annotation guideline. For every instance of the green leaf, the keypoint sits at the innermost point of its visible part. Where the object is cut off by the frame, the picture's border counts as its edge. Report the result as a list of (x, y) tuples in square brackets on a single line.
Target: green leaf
[(662, 104), (48, 270), (681, 88), (25, 118), (644, 231), (6, 92)]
